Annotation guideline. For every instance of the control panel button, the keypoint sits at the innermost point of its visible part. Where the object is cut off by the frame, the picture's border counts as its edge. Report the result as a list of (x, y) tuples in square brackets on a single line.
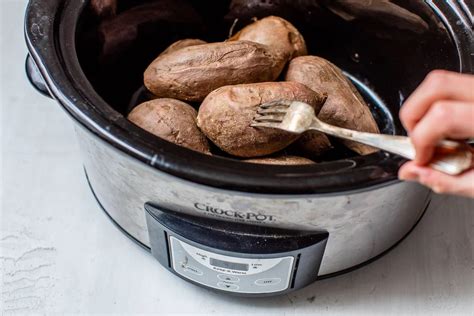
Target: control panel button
[(187, 261), (192, 270), (227, 286), (269, 281), (228, 278)]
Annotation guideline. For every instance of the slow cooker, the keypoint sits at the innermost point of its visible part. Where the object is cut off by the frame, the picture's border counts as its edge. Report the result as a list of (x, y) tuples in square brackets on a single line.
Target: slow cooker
[(216, 222)]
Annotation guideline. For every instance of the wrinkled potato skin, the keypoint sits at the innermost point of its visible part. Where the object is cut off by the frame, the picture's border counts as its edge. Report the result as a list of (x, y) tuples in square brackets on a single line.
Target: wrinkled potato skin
[(172, 120), (313, 144), (191, 73), (226, 114), (182, 44), (276, 33), (282, 161), (344, 107)]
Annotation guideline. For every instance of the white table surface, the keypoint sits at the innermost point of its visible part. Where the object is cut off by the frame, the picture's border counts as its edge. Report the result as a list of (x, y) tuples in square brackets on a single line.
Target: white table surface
[(60, 254)]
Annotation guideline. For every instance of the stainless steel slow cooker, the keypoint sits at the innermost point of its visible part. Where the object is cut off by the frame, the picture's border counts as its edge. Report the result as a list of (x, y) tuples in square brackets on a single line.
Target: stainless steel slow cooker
[(229, 226)]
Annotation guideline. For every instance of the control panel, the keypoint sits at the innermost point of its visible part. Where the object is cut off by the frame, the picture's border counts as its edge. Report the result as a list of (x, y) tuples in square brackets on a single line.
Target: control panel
[(232, 257), (241, 275)]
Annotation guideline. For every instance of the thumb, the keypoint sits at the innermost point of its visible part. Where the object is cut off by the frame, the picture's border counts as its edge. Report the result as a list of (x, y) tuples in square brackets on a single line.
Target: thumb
[(443, 183)]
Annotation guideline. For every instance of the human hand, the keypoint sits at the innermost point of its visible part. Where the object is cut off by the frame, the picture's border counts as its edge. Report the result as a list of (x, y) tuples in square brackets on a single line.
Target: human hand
[(441, 107)]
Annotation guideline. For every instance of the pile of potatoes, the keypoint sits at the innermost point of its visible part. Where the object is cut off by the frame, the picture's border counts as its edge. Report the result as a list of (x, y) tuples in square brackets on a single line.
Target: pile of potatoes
[(266, 61)]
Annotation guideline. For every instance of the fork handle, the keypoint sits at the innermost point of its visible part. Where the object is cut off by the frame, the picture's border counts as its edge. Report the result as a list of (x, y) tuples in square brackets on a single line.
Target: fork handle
[(450, 157)]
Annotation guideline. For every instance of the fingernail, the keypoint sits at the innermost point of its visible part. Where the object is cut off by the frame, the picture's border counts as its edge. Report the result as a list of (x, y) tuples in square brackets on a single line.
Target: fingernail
[(436, 189), (409, 176), (418, 174)]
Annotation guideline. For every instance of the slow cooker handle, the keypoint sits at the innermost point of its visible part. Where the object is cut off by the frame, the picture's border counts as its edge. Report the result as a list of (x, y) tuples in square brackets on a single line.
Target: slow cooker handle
[(35, 77)]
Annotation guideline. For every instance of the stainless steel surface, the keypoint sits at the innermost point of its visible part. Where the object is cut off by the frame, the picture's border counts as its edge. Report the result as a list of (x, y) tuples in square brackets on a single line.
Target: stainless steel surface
[(361, 225), (298, 117)]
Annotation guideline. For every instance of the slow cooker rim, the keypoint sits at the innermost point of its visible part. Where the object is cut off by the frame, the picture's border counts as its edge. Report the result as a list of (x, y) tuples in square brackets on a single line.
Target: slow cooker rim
[(65, 79)]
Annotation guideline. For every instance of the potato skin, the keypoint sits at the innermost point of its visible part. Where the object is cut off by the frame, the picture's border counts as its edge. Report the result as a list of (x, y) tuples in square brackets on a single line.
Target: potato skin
[(191, 73), (182, 44), (313, 144), (276, 33), (226, 114), (281, 160), (344, 107), (172, 120)]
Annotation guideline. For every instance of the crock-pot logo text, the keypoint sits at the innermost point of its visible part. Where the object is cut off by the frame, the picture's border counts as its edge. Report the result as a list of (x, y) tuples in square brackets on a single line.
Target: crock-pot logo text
[(244, 216)]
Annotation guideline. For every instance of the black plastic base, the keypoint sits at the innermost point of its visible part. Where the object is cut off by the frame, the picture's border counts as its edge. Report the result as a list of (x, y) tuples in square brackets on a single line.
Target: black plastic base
[(319, 278)]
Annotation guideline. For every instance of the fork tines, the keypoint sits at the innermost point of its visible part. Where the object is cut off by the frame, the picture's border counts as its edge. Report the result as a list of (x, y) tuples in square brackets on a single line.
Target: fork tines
[(275, 110), (271, 112), (268, 118), (277, 103)]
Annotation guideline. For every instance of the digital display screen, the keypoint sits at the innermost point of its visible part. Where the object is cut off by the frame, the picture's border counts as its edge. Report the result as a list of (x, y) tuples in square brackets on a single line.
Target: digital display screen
[(229, 265)]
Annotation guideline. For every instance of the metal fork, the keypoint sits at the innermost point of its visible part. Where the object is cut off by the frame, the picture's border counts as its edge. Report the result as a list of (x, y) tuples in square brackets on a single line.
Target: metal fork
[(297, 117)]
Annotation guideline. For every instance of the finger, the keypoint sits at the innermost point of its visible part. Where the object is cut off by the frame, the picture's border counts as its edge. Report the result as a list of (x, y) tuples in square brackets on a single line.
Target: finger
[(408, 172), (438, 85), (445, 119), (444, 184)]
